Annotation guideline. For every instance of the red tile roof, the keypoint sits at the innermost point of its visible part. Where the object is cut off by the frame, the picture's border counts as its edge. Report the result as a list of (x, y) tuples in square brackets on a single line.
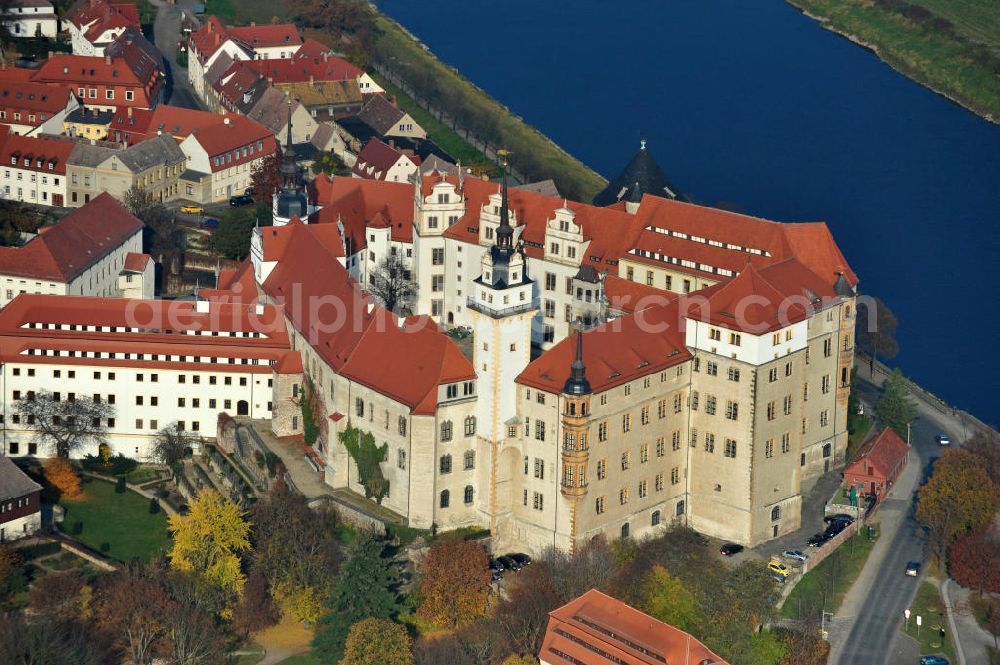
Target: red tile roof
[(236, 285), (102, 15), (616, 352), (18, 95), (375, 160), (177, 121), (267, 34), (306, 66), (40, 152), (77, 241), (357, 202), (884, 452), (404, 359), (596, 628), (136, 262), (228, 135), (207, 39), (138, 73)]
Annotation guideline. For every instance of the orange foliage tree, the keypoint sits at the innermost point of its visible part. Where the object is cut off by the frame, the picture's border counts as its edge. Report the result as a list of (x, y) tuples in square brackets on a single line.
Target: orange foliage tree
[(61, 475), (456, 584)]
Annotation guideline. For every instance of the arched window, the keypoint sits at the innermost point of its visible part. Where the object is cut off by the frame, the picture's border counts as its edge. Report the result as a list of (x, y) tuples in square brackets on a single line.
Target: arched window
[(776, 513), (655, 519), (470, 460), (470, 426), (445, 465), (445, 498), (680, 508), (468, 494), (625, 530), (446, 430)]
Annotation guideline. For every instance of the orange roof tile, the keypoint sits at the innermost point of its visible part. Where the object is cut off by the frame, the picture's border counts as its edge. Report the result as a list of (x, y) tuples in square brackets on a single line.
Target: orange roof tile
[(884, 452), (136, 262)]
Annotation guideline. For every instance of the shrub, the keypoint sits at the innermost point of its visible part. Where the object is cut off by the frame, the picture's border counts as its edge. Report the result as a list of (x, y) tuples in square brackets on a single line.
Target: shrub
[(117, 465), (154, 506), (163, 493), (77, 528), (32, 552), (120, 485), (105, 548), (62, 477)]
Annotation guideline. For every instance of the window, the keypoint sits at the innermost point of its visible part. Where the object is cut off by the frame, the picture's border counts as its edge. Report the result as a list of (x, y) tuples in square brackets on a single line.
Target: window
[(827, 347), (826, 450), (772, 375), (730, 448), (776, 513), (602, 431), (661, 409), (539, 468), (642, 489), (470, 425), (714, 334), (444, 465), (600, 505), (710, 404), (445, 499), (538, 501), (712, 368), (825, 384), (626, 460), (694, 400), (787, 405), (734, 339), (359, 405), (437, 256), (734, 374), (678, 402), (772, 410), (675, 475), (643, 453), (468, 494), (644, 415), (540, 430), (824, 418), (129, 95), (626, 422), (602, 469), (732, 410), (401, 458), (654, 519), (446, 431), (661, 446), (550, 282), (623, 496), (680, 508), (469, 461), (769, 449), (709, 442), (785, 442)]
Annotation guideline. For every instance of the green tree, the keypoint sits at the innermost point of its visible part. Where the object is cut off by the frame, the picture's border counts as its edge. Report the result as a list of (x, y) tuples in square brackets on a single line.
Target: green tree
[(667, 599), (377, 642), (365, 588), (895, 407)]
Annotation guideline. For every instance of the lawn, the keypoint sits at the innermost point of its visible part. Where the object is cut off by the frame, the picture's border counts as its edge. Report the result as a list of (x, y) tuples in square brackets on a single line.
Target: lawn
[(929, 606), (121, 521), (827, 584), (960, 60), (243, 12)]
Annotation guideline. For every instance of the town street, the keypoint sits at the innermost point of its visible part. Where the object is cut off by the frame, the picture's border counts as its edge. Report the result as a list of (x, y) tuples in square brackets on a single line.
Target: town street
[(868, 627), (166, 33)]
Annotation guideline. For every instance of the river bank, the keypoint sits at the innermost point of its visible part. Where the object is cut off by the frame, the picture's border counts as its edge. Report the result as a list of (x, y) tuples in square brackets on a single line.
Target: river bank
[(918, 44)]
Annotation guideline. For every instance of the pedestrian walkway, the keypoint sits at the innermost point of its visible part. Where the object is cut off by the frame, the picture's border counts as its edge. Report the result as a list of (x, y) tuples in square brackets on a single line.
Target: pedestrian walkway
[(968, 634)]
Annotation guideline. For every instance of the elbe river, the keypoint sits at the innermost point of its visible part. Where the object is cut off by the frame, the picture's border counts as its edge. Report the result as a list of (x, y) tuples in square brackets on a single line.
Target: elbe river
[(751, 105)]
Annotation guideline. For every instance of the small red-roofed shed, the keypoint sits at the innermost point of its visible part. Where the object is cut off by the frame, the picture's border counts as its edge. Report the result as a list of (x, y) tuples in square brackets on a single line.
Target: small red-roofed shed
[(878, 464)]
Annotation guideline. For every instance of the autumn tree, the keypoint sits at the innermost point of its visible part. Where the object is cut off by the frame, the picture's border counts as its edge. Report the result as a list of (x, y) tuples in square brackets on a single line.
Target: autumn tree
[(875, 330), (377, 642), (985, 444), (456, 583), (208, 541), (974, 561), (295, 550), (61, 597), (12, 579), (366, 587), (959, 497), (135, 611), (523, 613), (392, 284), (666, 598), (589, 567), (170, 445), (265, 177), (520, 660), (62, 477), (41, 641), (139, 200), (987, 611), (895, 407), (256, 609), (66, 422)]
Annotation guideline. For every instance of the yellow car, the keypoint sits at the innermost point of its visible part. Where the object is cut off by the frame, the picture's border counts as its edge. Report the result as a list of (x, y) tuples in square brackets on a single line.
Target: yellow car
[(192, 210), (779, 568)]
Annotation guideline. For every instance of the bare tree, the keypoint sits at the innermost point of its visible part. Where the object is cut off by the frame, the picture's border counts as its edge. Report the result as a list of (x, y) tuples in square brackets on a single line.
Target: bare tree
[(170, 445), (137, 612), (391, 283), (139, 201), (875, 330), (66, 421), (43, 641)]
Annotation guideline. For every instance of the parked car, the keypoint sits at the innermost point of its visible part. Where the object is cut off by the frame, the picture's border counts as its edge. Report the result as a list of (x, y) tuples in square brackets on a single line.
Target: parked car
[(779, 568), (210, 223), (730, 549), (818, 540), (912, 568), (496, 570), (240, 200), (835, 527), (779, 579), (795, 555), (943, 439), (508, 563), (521, 559), (192, 210), (933, 660), (248, 191), (839, 517)]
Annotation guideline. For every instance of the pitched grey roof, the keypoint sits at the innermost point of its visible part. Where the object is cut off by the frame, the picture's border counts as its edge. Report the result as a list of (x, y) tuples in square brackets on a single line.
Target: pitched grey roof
[(85, 154), (322, 136), (14, 483), (379, 114), (160, 150), (642, 176), (271, 109), (218, 68), (545, 187)]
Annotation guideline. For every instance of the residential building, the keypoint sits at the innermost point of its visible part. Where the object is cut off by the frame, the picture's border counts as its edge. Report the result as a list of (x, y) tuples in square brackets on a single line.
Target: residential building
[(157, 362), (388, 120), (87, 123), (325, 100), (81, 254), (876, 467), (271, 110), (31, 108), (221, 157), (20, 502), (137, 280), (31, 18), (381, 161), (155, 166), (94, 24), (34, 169), (596, 628), (315, 63), (106, 82), (131, 126)]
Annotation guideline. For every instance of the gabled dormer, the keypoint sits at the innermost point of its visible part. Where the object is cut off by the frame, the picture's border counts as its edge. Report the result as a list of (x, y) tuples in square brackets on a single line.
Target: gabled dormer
[(564, 242), (438, 207), (489, 219)]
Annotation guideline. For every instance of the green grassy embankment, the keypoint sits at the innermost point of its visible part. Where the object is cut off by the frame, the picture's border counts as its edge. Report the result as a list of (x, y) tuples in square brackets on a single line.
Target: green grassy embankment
[(950, 46), (243, 12), (826, 585), (930, 608)]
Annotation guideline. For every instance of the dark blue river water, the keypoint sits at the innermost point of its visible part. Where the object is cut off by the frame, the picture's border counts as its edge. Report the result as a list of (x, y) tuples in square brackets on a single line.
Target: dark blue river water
[(752, 105)]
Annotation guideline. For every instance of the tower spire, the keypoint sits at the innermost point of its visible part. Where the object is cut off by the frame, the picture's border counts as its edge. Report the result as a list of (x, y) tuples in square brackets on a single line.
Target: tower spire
[(577, 383), (505, 232)]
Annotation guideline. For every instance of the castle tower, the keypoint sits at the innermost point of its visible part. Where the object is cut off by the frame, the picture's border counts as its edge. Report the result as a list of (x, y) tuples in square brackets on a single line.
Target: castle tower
[(501, 307), (290, 199), (575, 447)]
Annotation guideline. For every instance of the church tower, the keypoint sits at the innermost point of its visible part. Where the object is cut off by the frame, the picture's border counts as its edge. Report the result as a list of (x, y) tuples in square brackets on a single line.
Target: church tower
[(575, 454), (290, 199), (502, 307)]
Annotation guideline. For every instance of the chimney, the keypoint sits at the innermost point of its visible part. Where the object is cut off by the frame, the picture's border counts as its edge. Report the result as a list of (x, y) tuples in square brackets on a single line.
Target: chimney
[(253, 24), (107, 60)]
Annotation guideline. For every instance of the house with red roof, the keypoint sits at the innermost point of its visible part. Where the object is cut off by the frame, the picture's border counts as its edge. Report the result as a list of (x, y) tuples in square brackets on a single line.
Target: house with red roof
[(34, 168), (137, 278), (27, 107), (81, 254), (877, 466), (315, 63), (131, 126), (383, 161), (596, 628), (31, 18), (221, 157), (94, 24), (106, 82)]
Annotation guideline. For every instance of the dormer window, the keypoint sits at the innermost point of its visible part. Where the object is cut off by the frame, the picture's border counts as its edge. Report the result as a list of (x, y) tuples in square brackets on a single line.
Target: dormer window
[(554, 247)]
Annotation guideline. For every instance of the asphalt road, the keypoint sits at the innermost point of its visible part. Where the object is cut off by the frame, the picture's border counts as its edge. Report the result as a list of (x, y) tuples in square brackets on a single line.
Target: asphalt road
[(875, 638), (166, 32)]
